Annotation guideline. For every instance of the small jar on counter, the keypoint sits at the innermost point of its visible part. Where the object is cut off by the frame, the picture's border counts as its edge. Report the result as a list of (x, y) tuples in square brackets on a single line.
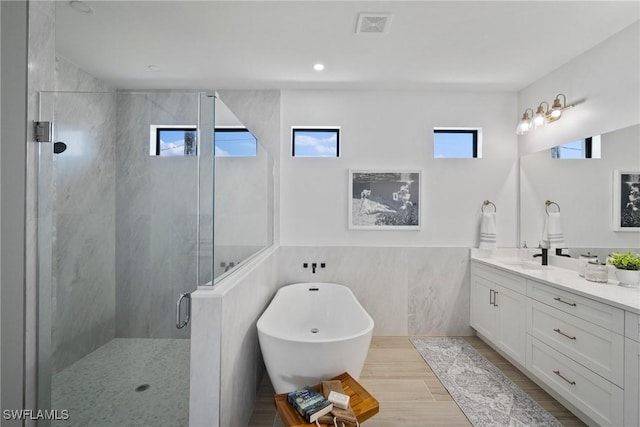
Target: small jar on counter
[(583, 261), (596, 272)]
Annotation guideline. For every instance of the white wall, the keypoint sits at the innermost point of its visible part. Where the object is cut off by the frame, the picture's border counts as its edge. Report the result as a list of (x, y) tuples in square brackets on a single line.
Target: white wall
[(410, 282), (391, 130), (604, 80)]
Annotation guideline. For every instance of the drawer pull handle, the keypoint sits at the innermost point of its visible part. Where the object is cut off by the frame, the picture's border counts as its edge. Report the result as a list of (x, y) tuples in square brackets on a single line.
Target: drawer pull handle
[(572, 304), (491, 296), (495, 304), (565, 335), (560, 375)]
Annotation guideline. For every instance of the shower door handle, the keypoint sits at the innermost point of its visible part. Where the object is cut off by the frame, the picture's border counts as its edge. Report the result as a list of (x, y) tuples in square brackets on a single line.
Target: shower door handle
[(179, 322)]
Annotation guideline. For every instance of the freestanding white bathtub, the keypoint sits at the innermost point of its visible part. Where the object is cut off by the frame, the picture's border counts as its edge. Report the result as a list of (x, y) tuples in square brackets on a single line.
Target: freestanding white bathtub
[(311, 332)]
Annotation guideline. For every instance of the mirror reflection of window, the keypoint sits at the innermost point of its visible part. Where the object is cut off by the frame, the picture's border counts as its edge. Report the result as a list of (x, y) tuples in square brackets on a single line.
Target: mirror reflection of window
[(587, 148)]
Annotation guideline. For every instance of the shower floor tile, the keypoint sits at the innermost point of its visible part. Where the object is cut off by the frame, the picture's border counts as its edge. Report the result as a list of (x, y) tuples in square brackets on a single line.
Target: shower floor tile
[(100, 388)]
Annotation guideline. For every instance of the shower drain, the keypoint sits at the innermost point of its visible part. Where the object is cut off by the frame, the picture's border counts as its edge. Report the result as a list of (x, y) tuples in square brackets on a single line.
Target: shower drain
[(315, 330), (142, 387)]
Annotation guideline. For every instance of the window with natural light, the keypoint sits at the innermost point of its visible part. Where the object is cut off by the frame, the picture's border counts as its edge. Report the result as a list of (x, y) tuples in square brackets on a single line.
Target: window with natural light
[(168, 141), (456, 143), (315, 142), (235, 142)]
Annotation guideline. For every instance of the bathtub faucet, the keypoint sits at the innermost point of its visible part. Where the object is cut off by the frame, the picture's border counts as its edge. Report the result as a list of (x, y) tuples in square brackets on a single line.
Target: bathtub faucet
[(314, 265)]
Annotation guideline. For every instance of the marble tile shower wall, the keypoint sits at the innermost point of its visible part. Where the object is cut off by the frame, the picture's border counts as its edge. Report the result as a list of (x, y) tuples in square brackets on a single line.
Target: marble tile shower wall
[(156, 217), (83, 249), (406, 290)]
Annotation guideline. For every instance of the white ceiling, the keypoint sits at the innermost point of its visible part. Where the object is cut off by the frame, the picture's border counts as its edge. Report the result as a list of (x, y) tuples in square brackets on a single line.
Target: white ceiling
[(465, 45)]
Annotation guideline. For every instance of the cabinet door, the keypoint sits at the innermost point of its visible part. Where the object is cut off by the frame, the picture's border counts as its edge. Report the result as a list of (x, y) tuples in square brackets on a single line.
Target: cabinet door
[(483, 313), (632, 383), (511, 323)]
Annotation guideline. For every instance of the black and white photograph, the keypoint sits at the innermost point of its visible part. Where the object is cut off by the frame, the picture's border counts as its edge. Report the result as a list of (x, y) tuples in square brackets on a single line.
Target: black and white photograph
[(384, 200), (626, 208)]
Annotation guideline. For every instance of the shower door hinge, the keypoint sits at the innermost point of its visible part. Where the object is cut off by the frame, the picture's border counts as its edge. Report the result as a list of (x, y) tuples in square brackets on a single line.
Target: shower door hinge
[(42, 131)]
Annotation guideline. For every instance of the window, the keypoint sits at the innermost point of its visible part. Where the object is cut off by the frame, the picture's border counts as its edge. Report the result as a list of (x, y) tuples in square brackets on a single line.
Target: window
[(315, 142), (235, 142), (460, 143), (588, 148), (173, 141)]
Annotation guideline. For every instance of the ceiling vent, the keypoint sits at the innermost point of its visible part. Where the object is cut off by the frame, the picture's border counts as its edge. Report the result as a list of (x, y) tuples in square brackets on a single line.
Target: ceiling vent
[(373, 23)]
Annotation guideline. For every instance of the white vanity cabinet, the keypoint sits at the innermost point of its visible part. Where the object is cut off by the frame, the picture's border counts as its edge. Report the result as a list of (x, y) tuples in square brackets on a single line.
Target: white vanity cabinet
[(575, 345), (632, 370), (498, 304), (576, 339)]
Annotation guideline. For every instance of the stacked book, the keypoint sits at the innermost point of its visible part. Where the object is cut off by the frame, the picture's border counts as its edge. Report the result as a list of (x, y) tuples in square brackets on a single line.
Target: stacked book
[(310, 404)]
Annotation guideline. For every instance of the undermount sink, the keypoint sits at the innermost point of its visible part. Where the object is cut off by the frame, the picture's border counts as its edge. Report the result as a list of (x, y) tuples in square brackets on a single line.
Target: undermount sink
[(525, 265)]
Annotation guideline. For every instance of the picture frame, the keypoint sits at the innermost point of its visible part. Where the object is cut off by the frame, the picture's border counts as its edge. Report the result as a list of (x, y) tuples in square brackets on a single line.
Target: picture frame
[(385, 200), (626, 200)]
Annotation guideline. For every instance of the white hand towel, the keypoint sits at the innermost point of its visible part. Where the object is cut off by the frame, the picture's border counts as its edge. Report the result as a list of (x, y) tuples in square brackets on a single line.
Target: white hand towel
[(488, 230), (552, 236)]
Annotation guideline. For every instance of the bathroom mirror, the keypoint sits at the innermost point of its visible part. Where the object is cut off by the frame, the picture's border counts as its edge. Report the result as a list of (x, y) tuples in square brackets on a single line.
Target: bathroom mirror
[(584, 190)]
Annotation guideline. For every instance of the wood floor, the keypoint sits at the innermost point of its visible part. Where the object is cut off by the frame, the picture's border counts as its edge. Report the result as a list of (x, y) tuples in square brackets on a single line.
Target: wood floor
[(409, 393)]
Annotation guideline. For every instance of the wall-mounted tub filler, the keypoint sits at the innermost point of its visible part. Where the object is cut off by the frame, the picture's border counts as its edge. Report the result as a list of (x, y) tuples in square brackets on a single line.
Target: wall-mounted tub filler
[(314, 265)]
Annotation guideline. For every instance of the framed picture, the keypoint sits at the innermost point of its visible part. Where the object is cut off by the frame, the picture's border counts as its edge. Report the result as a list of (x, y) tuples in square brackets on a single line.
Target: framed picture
[(384, 200), (626, 200)]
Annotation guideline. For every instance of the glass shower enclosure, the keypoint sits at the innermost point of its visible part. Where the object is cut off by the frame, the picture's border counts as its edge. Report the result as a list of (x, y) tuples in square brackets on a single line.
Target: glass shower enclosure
[(125, 227)]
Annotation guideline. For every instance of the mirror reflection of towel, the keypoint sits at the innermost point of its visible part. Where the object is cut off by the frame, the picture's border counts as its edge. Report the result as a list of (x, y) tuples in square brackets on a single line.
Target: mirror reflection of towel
[(488, 230), (552, 236)]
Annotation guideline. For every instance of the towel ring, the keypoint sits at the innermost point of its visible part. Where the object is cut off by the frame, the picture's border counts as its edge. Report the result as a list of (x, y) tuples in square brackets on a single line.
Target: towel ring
[(488, 202), (549, 203)]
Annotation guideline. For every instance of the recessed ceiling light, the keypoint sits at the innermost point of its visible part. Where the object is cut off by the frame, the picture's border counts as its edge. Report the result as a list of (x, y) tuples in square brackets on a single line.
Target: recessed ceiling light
[(318, 66), (80, 6), (153, 68)]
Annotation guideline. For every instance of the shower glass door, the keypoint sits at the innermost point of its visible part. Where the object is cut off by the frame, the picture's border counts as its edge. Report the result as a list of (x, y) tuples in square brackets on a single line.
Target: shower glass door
[(118, 242)]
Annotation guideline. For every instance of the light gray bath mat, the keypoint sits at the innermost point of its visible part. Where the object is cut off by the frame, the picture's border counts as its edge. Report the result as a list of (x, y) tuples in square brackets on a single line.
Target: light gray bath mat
[(485, 395)]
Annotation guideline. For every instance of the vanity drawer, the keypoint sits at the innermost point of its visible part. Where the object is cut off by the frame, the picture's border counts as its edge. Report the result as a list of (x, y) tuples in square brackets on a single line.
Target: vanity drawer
[(511, 281), (599, 399), (597, 348), (603, 315), (632, 326)]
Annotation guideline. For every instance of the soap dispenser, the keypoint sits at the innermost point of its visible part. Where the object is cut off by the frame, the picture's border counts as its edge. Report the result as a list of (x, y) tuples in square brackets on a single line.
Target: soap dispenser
[(583, 261)]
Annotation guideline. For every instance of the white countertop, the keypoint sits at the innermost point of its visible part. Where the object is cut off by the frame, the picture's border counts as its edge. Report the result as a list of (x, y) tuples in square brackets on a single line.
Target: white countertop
[(609, 293)]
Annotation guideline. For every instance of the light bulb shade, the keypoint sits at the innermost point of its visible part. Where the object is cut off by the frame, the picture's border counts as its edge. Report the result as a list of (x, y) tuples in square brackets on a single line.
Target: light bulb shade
[(523, 127), (539, 120), (556, 108), (540, 117)]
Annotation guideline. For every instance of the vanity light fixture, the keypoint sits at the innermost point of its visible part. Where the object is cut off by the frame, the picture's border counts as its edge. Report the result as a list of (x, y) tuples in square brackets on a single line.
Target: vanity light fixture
[(542, 117), (318, 66)]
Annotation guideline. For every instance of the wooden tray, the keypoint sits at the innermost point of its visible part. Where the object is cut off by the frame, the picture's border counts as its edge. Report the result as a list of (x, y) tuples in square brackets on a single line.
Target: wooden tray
[(363, 405)]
